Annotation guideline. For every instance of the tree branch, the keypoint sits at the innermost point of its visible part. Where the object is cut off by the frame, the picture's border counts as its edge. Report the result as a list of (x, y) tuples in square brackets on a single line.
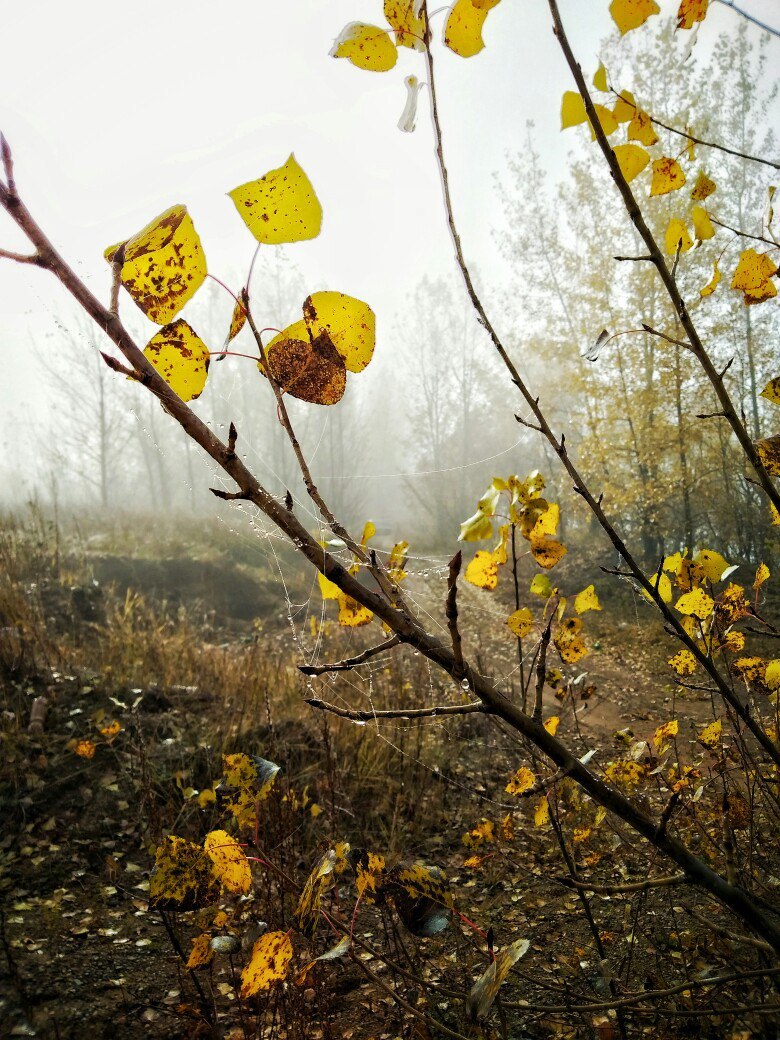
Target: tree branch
[(350, 662), (355, 715)]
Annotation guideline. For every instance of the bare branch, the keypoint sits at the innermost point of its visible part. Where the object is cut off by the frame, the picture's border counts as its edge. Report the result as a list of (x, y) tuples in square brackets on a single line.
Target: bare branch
[(744, 234), (452, 613), (22, 258), (635, 886), (472, 708), (350, 662)]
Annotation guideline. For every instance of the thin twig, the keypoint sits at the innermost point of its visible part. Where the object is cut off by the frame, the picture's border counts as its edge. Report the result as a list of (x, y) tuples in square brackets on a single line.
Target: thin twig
[(350, 662), (452, 613), (745, 234), (355, 715)]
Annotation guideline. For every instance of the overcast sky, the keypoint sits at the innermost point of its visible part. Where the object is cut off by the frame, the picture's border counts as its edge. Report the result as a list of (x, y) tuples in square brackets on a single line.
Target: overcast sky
[(115, 112)]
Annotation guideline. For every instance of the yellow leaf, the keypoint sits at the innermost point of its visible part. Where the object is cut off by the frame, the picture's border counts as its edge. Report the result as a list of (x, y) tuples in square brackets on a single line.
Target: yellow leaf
[(540, 586), (775, 515), (463, 29), (351, 613), (753, 276), (667, 176), (310, 369), (182, 878), (521, 622), (483, 833), (201, 952), (630, 14), (664, 587), (677, 238), (85, 749), (669, 729), (369, 530), (164, 265), (713, 283), (772, 674), (249, 781), (409, 28), (485, 990), (702, 225), (483, 570), (349, 323), (281, 206), (710, 735), (228, 862), (111, 730), (683, 662), (769, 452), (369, 869), (328, 590), (542, 813), (237, 322), (551, 724), (366, 46), (572, 110), (522, 781), (711, 564), (640, 128), (625, 107), (690, 12), (703, 188), (695, 603), (307, 913), (772, 390), (546, 523), (569, 643), (606, 119), (181, 357), (476, 529), (547, 552), (271, 956), (587, 600), (631, 159), (733, 642), (762, 575), (600, 79)]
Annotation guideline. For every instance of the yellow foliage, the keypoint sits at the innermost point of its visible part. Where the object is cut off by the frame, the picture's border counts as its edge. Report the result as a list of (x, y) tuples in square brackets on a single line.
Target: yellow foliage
[(631, 159), (669, 729), (762, 574), (753, 276), (640, 128), (351, 613), (769, 452), (667, 176), (710, 735), (600, 79), (349, 323), (409, 28), (677, 238), (630, 14), (547, 552), (307, 913), (366, 46), (540, 586), (482, 571), (522, 781), (181, 358), (542, 813), (368, 873), (683, 662), (309, 369), (281, 206), (702, 225), (703, 188), (521, 622), (772, 674), (606, 120), (690, 12), (482, 834), (229, 864), (587, 600), (695, 603), (551, 724), (625, 107), (713, 283), (710, 564), (271, 956), (772, 390), (572, 109), (463, 28), (181, 878), (164, 265), (625, 773), (201, 952)]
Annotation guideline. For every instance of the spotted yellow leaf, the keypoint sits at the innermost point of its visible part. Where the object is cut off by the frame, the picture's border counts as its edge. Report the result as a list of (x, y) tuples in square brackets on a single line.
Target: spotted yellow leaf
[(695, 603), (366, 46), (690, 12), (307, 913), (683, 662), (522, 781), (201, 953), (164, 265), (551, 724), (703, 188), (310, 369), (762, 575), (772, 390), (710, 564), (710, 735), (482, 571), (181, 878), (228, 862), (662, 734), (521, 622), (542, 813), (271, 956), (631, 159), (237, 322), (281, 206), (772, 674), (630, 14), (369, 873), (640, 128), (408, 26), (769, 452), (667, 176), (349, 323), (753, 276), (181, 357), (351, 613), (463, 28), (587, 600)]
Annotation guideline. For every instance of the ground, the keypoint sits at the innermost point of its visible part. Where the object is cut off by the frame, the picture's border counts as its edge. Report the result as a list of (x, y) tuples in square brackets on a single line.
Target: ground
[(196, 661)]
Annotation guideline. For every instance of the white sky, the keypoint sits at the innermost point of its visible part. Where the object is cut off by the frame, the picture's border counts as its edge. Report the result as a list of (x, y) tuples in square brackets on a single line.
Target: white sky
[(115, 112)]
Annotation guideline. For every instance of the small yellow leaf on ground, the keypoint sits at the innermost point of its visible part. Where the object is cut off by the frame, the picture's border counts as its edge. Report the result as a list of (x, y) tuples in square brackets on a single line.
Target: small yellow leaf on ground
[(572, 110), (85, 749), (228, 862), (710, 735), (703, 188), (630, 14), (631, 159), (463, 29), (366, 46), (677, 238), (483, 570), (640, 128), (164, 265), (281, 206), (181, 357), (695, 603), (271, 956), (702, 225), (690, 12), (350, 324), (522, 781), (667, 176), (521, 622), (587, 600), (753, 276)]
